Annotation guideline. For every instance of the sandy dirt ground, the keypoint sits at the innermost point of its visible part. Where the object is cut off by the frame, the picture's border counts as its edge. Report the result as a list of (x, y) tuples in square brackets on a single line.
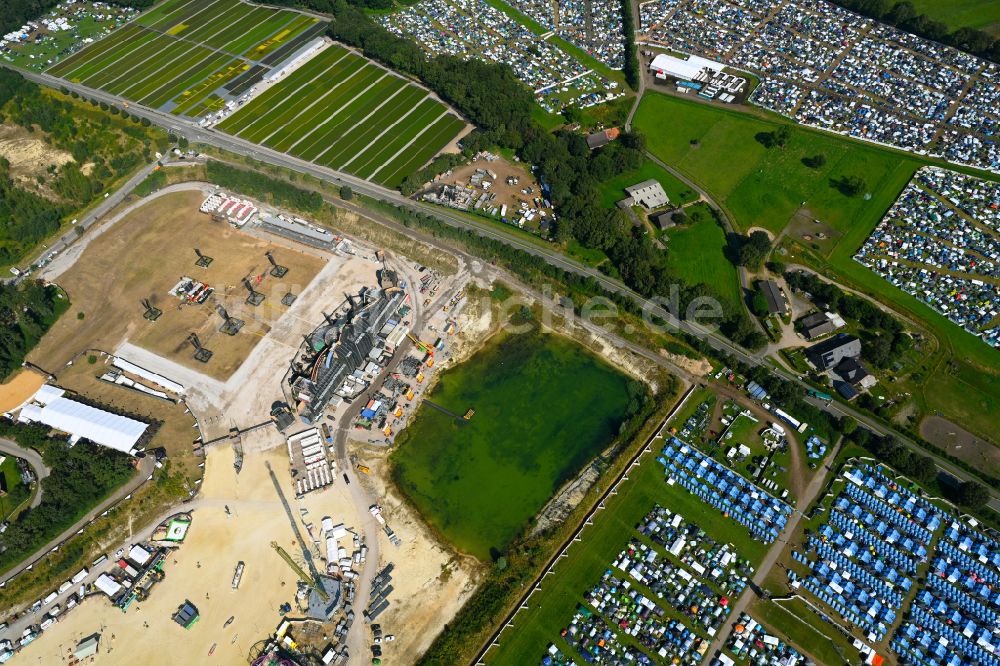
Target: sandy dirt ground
[(960, 443), (221, 405), (29, 157), (201, 571), (19, 388), (431, 582), (148, 252), (505, 194)]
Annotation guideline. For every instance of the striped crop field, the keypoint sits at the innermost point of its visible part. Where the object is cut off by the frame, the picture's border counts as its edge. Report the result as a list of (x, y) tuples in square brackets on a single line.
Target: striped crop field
[(320, 102), (341, 111), (182, 53)]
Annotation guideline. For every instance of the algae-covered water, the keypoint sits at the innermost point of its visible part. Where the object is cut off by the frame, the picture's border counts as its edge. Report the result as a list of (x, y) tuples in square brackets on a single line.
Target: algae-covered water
[(544, 407)]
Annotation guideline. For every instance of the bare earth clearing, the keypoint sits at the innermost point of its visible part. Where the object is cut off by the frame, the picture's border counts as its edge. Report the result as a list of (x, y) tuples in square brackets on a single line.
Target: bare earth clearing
[(145, 256)]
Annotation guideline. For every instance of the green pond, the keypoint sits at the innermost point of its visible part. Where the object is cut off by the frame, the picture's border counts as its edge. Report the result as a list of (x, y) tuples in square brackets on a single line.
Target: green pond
[(544, 407)]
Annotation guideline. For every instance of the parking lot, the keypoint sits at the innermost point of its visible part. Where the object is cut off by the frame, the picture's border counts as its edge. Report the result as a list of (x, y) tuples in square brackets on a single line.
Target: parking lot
[(828, 68), (476, 29), (939, 242)]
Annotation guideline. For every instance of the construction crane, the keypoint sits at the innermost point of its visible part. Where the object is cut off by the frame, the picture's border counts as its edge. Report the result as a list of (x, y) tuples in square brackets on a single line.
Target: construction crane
[(422, 346), (300, 572)]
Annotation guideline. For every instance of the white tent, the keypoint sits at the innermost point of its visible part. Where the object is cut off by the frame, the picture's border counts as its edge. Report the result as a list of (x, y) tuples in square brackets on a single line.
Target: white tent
[(83, 421), (107, 585)]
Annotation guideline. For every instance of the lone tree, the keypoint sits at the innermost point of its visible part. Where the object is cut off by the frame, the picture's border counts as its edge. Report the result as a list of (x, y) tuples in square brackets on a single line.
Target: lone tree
[(852, 186), (817, 161), (346, 193), (754, 249)]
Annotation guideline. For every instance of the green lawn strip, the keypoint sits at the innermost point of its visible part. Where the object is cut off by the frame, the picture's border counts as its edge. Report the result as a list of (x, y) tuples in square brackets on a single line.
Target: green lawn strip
[(238, 32), (290, 109), (280, 92), (613, 189), (211, 103), (121, 60), (372, 160), (156, 70), (551, 608), (298, 129), (353, 81), (94, 50), (179, 77), (262, 32), (195, 15), (338, 116), (395, 110), (310, 108), (309, 144), (85, 69), (161, 11), (794, 620), (428, 143), (188, 98), (211, 22), (343, 130), (695, 253), (290, 31), (209, 70), (174, 16), (137, 60)]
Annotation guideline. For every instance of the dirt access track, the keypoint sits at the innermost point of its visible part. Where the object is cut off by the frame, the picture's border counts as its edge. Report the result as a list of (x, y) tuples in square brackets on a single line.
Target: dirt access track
[(142, 257)]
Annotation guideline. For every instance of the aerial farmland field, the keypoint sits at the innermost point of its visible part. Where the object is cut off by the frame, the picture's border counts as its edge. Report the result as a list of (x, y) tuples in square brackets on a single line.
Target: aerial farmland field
[(362, 119), (187, 56), (337, 109)]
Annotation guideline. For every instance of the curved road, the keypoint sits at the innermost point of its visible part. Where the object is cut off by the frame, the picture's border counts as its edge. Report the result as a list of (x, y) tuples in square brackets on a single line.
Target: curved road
[(34, 459), (143, 474), (711, 337)]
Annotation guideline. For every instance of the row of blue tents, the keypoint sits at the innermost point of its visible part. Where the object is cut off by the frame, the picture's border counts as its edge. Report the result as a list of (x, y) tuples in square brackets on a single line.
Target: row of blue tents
[(882, 546), (877, 507), (717, 485)]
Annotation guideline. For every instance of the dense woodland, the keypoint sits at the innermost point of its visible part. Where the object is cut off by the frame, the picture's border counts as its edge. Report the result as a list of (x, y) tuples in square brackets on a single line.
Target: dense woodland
[(81, 476), (904, 16), (26, 313)]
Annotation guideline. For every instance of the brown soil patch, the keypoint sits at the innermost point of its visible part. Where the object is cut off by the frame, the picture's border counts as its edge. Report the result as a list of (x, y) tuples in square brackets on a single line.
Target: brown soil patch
[(511, 195), (29, 156), (175, 429), (143, 257), (20, 387), (961, 443)]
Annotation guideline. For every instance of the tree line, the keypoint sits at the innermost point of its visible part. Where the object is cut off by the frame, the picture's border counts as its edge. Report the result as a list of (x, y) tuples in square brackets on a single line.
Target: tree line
[(279, 192), (81, 477), (26, 313), (904, 15)]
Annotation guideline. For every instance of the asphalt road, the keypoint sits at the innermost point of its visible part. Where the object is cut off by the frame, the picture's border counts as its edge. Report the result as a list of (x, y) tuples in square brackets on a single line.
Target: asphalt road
[(34, 459), (140, 477), (182, 127), (92, 216)]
